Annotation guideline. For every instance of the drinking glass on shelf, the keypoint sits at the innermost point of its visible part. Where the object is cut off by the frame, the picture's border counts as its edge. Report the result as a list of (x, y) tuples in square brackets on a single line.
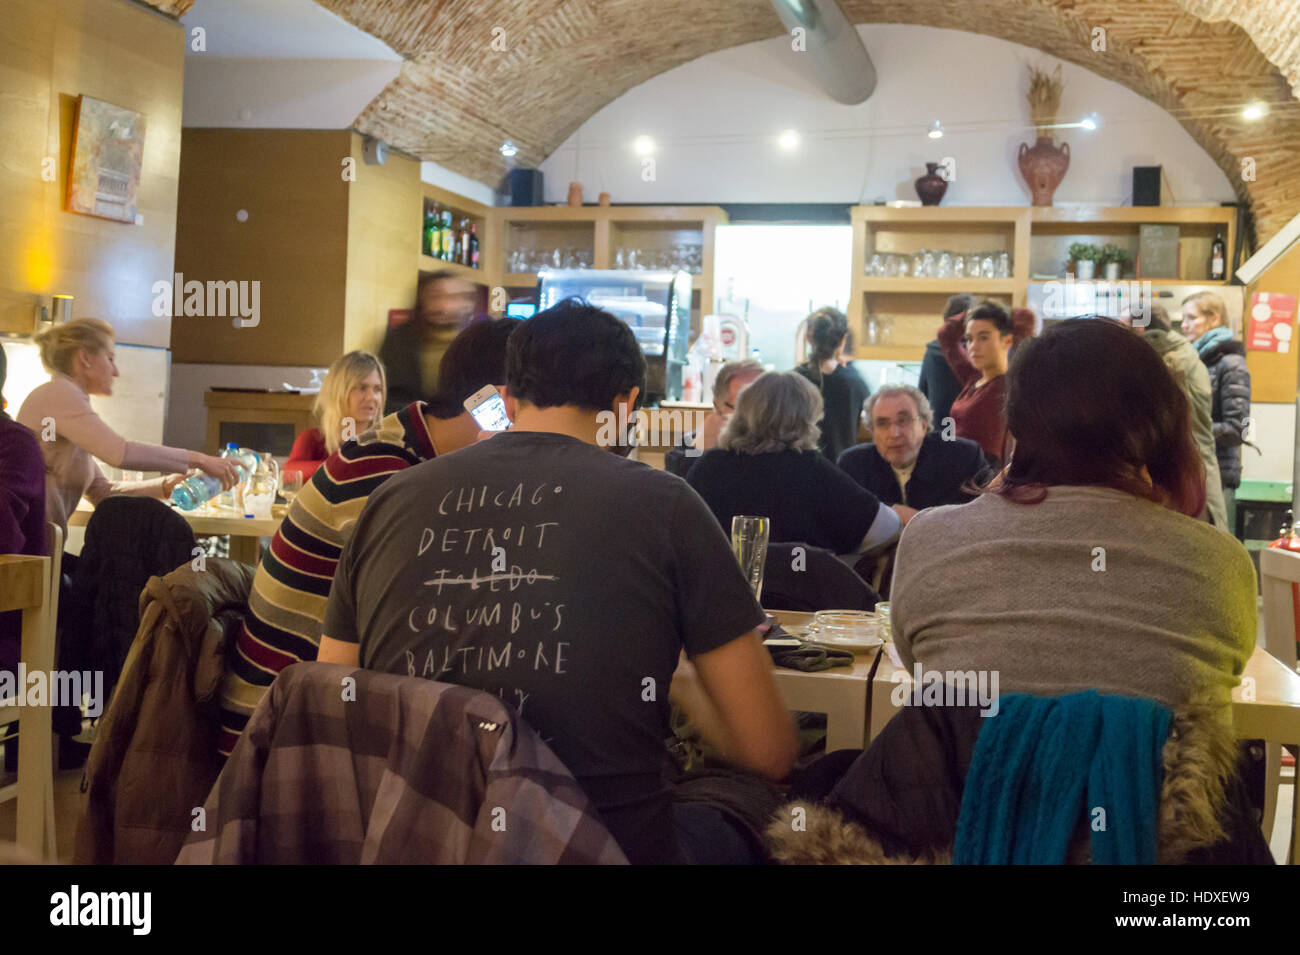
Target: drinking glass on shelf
[(584, 258), (290, 485), (959, 266), (634, 259), (886, 330), (987, 268), (927, 264), (891, 265), (876, 266), (918, 264), (696, 259), (749, 543), (973, 266), (620, 258), (1004, 266), (944, 268), (904, 266)]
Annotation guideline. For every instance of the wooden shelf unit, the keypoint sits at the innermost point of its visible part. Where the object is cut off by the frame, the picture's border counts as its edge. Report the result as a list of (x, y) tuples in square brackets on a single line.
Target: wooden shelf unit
[(461, 208), (912, 305), (1036, 238)]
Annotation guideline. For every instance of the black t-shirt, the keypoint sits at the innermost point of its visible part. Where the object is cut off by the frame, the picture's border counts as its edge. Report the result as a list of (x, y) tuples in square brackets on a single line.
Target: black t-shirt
[(807, 499), (566, 580), (843, 393)]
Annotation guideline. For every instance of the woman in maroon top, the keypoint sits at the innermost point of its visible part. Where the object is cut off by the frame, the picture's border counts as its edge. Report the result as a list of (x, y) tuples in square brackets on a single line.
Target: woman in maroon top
[(979, 412)]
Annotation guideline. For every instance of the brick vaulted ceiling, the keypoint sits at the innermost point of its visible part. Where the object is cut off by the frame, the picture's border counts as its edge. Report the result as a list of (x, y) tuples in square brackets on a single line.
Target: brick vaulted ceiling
[(456, 99)]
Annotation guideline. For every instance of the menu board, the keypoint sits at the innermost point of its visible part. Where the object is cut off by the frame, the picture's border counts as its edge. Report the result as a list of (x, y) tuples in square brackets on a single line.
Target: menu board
[(1272, 322)]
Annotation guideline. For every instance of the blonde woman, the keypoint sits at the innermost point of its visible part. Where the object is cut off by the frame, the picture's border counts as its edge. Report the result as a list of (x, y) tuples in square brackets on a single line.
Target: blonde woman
[(1206, 325), (351, 401), (79, 357)]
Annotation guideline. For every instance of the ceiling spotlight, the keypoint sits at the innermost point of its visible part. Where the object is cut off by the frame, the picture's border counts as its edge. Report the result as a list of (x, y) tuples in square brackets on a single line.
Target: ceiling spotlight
[(936, 131), (643, 145), (1255, 110), (1091, 121), (509, 149), (788, 140)]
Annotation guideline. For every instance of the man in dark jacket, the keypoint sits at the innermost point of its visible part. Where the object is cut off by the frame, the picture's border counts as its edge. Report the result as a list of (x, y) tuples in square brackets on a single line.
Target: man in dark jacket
[(937, 381), (907, 465), (1205, 322)]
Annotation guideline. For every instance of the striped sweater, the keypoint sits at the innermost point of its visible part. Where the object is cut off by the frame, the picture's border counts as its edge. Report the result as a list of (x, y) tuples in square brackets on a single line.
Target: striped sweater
[(287, 604)]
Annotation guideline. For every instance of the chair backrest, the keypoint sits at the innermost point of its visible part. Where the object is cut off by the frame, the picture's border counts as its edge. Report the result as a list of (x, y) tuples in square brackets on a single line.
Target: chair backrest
[(807, 578), (1279, 572)]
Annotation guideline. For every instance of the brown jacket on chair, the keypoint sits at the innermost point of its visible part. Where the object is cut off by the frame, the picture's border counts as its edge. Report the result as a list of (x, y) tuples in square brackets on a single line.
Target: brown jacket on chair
[(155, 754)]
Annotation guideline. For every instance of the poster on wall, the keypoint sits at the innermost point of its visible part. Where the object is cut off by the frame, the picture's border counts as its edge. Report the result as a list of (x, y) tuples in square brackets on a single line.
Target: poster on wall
[(1272, 322), (107, 155)]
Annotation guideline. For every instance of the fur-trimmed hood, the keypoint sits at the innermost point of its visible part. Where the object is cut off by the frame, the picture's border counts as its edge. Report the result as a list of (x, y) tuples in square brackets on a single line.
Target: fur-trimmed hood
[(1199, 757)]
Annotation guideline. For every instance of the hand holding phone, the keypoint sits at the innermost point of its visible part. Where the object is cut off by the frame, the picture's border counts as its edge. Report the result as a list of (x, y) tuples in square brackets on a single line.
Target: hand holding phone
[(488, 409)]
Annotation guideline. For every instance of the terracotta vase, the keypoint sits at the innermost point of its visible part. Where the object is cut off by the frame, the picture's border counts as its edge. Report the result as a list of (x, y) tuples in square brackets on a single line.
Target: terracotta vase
[(575, 193), (1043, 165), (931, 187)]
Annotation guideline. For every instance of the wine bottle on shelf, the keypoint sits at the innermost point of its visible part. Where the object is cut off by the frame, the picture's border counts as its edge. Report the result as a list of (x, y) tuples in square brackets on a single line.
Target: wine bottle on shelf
[(428, 230), (473, 247), (446, 235), (1218, 258), (464, 243)]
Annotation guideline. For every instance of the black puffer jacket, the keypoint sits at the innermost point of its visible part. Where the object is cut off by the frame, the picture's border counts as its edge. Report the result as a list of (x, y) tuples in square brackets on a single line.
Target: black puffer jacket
[(128, 540), (1230, 387)]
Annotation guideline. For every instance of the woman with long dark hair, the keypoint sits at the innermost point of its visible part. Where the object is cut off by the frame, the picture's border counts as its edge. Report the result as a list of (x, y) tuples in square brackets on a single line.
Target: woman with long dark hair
[(842, 389), (1084, 566)]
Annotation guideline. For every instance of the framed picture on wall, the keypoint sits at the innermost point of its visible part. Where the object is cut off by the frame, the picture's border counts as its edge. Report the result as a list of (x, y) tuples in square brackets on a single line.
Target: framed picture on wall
[(107, 155)]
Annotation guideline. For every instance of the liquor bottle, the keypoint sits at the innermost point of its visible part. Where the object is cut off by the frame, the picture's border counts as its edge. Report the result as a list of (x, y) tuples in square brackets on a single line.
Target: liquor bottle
[(473, 247), (445, 229), (1217, 258), (429, 229), (464, 243)]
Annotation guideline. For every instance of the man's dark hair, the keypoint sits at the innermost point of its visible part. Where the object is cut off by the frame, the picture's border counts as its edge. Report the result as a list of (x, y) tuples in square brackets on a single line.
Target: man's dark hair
[(476, 357), (425, 280), (574, 354), (957, 304)]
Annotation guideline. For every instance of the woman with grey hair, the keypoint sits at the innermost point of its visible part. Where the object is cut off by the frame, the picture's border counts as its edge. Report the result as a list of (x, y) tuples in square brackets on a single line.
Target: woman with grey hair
[(767, 464)]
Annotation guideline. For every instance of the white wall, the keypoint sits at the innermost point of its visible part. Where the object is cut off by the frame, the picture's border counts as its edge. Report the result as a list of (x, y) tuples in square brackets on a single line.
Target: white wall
[(187, 416), (715, 121)]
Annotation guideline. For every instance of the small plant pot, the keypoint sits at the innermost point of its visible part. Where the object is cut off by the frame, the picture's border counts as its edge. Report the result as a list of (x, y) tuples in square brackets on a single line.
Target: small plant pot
[(1112, 271), (1084, 270)]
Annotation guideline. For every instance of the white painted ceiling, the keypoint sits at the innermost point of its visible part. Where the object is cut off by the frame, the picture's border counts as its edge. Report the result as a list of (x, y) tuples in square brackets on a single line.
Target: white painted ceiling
[(280, 29)]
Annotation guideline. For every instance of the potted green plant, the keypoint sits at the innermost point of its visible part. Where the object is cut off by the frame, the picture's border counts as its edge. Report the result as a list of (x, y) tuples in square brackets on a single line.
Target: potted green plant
[(1114, 260), (1084, 255)]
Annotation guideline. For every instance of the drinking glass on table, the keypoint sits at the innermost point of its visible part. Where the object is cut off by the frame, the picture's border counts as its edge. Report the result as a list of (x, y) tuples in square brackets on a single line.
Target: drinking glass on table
[(290, 485), (749, 543)]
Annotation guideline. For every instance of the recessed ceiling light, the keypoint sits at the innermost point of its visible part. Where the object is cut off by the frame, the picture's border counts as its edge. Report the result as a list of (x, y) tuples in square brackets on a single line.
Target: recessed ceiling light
[(1255, 110), (788, 140), (643, 145), (936, 131), (1091, 121), (508, 149)]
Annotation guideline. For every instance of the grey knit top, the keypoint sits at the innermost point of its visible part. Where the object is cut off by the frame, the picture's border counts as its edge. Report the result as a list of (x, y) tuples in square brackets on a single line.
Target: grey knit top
[(1092, 588)]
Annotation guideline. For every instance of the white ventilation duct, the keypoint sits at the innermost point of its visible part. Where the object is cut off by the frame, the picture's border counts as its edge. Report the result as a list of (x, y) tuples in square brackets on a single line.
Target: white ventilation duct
[(838, 58)]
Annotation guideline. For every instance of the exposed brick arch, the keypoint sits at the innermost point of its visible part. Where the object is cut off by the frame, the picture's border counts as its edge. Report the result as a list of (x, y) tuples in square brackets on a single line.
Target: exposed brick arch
[(457, 99)]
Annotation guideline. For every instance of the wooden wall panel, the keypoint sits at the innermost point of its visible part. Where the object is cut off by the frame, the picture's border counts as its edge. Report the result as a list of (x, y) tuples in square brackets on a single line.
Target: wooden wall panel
[(384, 221), (294, 242), (1273, 376), (50, 52)]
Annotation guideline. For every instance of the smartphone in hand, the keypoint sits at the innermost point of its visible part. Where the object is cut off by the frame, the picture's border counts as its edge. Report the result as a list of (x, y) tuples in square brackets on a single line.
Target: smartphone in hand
[(488, 409)]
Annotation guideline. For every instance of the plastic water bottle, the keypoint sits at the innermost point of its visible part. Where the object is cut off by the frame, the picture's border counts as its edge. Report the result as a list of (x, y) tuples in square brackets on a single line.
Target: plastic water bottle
[(243, 458), (193, 491)]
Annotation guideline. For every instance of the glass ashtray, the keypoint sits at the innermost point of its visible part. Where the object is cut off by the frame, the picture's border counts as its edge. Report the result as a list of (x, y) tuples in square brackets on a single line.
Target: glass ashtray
[(846, 628)]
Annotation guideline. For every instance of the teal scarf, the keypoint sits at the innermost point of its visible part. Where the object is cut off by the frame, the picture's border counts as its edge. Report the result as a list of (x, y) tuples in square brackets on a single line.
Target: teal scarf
[(1211, 338), (1036, 761)]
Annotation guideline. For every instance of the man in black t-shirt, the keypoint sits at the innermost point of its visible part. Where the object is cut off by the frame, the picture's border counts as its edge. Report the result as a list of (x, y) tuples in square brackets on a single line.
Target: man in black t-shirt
[(567, 580)]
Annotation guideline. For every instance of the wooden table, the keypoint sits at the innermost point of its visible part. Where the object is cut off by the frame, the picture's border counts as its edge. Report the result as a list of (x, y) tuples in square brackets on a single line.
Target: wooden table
[(1265, 706), (244, 532)]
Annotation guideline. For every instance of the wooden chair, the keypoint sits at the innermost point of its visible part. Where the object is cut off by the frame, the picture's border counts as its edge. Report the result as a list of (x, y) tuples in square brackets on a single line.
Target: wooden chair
[(1280, 584), (39, 602)]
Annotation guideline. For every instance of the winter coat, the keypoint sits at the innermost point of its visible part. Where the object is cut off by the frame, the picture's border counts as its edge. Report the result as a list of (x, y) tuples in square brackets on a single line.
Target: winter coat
[(1230, 388), (1193, 379), (155, 755), (128, 540), (899, 802), (412, 772)]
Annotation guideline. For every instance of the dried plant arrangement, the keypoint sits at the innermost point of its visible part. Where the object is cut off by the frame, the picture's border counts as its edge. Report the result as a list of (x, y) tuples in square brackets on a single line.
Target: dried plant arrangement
[(1044, 98)]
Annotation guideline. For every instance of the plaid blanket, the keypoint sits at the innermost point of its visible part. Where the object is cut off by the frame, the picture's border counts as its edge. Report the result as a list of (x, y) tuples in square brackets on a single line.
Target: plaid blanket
[(342, 765)]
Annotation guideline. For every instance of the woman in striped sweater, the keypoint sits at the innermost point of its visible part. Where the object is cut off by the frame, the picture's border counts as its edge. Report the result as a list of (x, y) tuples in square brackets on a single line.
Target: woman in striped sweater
[(292, 584)]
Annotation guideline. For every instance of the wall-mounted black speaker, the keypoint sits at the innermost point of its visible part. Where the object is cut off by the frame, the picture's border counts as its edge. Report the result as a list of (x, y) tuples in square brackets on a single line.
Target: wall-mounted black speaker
[(1146, 185), (521, 187)]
